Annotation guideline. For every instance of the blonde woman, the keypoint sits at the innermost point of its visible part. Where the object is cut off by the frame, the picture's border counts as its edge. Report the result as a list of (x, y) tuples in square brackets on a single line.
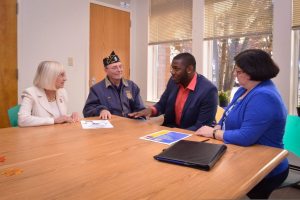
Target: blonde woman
[(45, 103)]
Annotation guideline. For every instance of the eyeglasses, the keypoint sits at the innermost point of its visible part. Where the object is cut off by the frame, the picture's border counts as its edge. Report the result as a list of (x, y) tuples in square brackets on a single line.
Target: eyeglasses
[(238, 71)]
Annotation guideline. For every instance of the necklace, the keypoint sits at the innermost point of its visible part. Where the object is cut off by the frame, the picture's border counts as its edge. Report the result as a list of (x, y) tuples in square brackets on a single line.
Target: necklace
[(51, 96)]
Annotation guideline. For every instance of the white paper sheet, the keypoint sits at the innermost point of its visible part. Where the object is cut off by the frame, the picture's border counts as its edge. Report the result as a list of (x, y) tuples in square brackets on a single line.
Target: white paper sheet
[(92, 124)]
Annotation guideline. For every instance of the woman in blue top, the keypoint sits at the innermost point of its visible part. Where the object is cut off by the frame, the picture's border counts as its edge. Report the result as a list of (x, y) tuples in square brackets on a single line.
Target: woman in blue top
[(256, 114)]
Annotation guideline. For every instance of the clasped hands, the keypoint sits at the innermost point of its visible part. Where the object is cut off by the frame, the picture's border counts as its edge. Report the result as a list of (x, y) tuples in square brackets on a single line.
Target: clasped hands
[(74, 117)]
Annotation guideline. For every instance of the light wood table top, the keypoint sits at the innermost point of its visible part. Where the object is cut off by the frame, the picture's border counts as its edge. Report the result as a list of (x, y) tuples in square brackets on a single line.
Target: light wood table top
[(68, 162)]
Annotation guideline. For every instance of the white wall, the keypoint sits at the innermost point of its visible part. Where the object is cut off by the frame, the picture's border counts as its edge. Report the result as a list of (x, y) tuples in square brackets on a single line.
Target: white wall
[(115, 3), (55, 30), (139, 44), (197, 34), (282, 16)]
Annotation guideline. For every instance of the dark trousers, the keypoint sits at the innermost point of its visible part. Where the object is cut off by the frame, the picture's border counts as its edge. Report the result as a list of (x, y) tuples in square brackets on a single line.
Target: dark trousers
[(265, 187)]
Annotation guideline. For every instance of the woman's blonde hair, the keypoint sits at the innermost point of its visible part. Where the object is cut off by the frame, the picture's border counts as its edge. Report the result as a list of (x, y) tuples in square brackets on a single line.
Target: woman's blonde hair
[(47, 73)]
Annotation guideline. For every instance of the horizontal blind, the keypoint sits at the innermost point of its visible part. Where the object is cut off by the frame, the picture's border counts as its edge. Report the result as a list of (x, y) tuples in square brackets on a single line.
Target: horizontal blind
[(237, 18), (170, 21), (296, 14)]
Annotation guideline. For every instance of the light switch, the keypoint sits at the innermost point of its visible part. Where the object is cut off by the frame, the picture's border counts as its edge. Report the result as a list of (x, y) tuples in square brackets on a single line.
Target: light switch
[(70, 61)]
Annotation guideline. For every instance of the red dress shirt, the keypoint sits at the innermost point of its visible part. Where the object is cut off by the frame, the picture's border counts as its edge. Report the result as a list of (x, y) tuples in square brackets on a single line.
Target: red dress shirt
[(181, 98)]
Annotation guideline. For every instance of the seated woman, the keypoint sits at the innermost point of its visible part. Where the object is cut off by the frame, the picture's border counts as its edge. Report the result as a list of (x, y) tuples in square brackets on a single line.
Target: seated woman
[(45, 102), (256, 114)]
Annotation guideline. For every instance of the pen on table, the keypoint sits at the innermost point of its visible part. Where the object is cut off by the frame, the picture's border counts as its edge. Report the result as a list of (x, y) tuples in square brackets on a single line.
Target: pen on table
[(204, 140)]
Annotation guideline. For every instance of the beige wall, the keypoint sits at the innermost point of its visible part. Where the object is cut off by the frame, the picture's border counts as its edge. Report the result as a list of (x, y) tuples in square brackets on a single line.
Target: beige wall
[(282, 48), (54, 30), (197, 34), (139, 44)]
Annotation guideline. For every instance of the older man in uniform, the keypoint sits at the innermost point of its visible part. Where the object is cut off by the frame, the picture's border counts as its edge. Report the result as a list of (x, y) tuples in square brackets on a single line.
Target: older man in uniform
[(114, 94)]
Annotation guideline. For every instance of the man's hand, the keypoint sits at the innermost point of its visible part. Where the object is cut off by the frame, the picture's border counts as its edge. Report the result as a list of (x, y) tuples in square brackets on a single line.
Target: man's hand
[(143, 113), (105, 114)]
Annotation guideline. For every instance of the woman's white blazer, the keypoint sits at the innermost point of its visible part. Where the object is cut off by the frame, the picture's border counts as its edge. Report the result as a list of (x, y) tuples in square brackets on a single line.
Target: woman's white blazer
[(35, 109)]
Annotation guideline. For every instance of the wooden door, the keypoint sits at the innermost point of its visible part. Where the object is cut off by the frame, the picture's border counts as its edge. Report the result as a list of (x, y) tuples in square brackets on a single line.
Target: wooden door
[(8, 59), (109, 30)]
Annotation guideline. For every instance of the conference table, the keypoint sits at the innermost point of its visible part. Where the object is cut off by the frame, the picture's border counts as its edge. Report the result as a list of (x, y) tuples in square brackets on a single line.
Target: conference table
[(66, 161)]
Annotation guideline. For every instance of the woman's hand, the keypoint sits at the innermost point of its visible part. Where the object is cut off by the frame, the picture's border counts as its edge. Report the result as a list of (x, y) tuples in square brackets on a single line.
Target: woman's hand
[(62, 119), (105, 114), (75, 117), (205, 131)]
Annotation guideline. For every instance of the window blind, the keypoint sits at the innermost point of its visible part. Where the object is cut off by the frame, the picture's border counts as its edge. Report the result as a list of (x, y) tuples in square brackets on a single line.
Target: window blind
[(296, 14), (170, 21), (237, 18)]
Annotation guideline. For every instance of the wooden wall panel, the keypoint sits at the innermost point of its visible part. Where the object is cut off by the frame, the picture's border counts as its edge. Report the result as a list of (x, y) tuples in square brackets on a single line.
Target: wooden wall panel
[(8, 59), (109, 30)]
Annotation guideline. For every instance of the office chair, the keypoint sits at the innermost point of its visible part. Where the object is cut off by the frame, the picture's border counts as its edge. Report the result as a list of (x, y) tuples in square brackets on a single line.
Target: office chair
[(13, 115), (291, 140)]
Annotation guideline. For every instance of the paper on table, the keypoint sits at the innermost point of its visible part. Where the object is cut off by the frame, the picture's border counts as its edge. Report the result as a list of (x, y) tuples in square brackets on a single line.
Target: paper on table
[(92, 124), (165, 136)]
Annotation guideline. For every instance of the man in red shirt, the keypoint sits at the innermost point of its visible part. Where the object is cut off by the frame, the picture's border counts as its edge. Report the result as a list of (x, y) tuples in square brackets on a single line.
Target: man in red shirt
[(189, 101)]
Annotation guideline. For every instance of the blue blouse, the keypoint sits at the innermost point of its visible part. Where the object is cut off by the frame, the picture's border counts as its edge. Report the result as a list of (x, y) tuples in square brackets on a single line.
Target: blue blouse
[(259, 118)]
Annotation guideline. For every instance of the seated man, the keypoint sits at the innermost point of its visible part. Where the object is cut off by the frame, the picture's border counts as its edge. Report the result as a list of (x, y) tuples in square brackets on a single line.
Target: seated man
[(114, 94), (189, 101)]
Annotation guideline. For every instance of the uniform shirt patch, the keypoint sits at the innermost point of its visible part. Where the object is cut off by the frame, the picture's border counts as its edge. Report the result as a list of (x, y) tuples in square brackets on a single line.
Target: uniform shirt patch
[(128, 94)]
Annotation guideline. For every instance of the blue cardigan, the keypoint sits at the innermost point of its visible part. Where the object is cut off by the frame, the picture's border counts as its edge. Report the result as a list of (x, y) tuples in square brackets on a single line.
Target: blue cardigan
[(199, 109), (258, 119)]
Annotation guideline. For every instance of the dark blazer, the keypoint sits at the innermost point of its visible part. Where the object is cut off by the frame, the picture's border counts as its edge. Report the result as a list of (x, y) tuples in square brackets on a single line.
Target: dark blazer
[(199, 109)]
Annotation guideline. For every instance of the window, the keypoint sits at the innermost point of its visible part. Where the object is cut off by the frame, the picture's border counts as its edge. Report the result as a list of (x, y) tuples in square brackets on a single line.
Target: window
[(232, 26), (170, 33), (162, 55), (295, 72), (296, 66)]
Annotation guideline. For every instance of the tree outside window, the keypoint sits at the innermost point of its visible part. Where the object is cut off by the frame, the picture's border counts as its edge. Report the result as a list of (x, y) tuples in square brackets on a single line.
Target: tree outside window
[(232, 26), (224, 51)]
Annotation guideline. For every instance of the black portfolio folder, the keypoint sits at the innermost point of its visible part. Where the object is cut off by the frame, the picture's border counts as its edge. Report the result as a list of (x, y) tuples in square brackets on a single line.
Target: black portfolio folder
[(193, 154)]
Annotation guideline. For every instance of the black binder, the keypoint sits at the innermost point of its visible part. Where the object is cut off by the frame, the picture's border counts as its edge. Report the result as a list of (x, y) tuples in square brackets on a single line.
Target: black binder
[(194, 154)]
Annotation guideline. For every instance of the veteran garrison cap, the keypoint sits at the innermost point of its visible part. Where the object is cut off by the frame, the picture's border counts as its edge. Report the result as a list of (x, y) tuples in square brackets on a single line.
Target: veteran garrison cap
[(112, 58)]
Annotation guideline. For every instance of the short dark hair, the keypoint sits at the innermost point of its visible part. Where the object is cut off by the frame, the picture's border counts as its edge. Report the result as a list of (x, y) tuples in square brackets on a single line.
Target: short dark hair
[(257, 63), (187, 59)]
